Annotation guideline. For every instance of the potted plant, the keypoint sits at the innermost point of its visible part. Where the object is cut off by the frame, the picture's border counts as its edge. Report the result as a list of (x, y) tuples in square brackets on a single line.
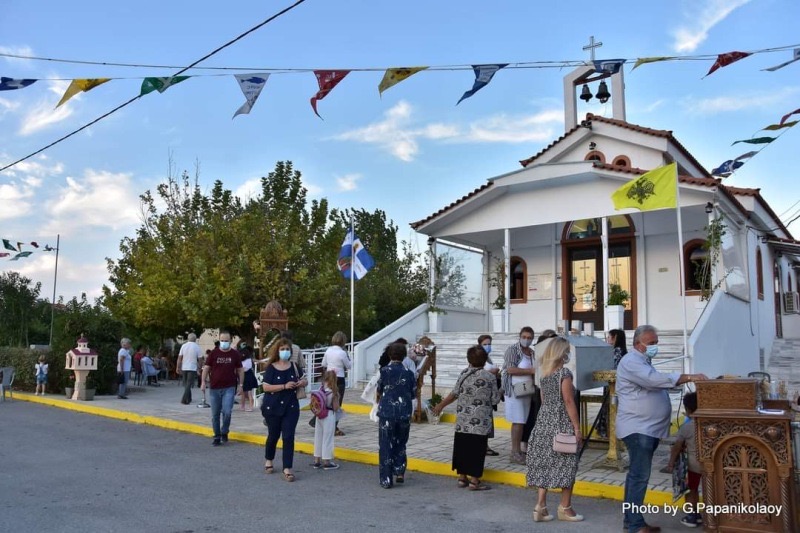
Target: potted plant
[(617, 298), (432, 402), (497, 281)]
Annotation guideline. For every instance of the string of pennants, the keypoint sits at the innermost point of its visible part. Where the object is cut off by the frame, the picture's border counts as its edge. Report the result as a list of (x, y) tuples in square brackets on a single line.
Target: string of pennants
[(253, 83), (8, 244)]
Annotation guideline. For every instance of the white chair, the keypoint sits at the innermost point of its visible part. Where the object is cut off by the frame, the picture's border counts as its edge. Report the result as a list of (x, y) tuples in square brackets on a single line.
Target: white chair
[(8, 380)]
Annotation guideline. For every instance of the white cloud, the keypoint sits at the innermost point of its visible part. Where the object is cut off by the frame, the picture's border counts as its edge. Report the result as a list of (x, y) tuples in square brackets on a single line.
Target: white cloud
[(73, 278), (700, 18), (44, 113), (17, 51), (7, 106), (17, 193), (723, 104), (398, 133), (100, 199), (347, 182)]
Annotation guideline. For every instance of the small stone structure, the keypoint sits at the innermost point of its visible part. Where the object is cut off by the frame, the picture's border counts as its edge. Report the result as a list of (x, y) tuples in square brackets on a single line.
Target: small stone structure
[(273, 317), (81, 361)]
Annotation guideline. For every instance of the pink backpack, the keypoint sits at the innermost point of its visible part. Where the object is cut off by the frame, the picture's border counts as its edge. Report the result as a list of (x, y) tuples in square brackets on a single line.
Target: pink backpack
[(319, 403)]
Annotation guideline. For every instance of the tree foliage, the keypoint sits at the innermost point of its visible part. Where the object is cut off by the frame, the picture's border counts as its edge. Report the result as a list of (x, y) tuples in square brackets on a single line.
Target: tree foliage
[(213, 260), (21, 313)]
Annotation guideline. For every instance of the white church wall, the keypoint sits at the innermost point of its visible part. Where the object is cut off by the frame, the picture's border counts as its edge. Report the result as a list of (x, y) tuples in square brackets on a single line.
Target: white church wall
[(646, 157), (537, 313), (724, 342)]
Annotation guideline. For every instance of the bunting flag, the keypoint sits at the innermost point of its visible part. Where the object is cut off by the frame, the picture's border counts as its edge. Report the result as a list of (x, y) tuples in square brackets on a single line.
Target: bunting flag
[(160, 84), (251, 85), (795, 57), (20, 255), (327, 80), (645, 60), (757, 140), (657, 189), (787, 115), (19, 245), (9, 84), (393, 76), (727, 168), (723, 60), (483, 75), (747, 155), (353, 257), (8, 246), (4, 254), (48, 248), (34, 244), (81, 85), (608, 66), (773, 127)]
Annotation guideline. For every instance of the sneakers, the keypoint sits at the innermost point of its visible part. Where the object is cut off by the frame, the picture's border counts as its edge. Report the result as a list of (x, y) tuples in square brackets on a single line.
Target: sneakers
[(316, 466), (216, 442), (330, 466), (122, 397), (692, 520), (224, 439)]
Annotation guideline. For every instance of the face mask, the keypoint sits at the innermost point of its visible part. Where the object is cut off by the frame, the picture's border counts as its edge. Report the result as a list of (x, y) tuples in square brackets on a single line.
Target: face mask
[(285, 355), (487, 348), (225, 345), (525, 342), (651, 351)]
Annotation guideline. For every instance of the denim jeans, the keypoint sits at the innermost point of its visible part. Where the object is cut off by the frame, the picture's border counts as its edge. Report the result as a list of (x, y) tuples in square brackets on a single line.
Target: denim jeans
[(221, 402), (123, 387), (640, 451)]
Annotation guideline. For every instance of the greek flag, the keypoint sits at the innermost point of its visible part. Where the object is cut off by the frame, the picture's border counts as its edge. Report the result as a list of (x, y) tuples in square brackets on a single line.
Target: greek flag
[(354, 257)]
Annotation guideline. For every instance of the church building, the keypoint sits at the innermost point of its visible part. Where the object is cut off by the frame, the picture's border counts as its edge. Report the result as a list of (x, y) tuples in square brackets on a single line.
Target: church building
[(554, 249)]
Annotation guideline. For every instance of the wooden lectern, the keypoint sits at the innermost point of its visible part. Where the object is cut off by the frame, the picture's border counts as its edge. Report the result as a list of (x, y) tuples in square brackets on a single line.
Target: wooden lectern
[(746, 454)]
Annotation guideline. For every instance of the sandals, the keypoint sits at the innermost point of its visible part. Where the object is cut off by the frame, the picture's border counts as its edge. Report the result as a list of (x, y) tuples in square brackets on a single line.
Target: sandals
[(400, 479), (540, 514), (491, 452), (462, 483), (269, 469), (478, 486), (288, 476), (338, 433)]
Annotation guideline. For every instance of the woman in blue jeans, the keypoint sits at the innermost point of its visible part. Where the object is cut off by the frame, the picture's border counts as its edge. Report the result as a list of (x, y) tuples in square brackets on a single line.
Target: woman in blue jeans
[(280, 407)]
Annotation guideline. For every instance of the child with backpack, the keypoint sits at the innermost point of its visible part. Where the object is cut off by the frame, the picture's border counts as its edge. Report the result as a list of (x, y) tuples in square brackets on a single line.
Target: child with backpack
[(685, 443), (324, 404)]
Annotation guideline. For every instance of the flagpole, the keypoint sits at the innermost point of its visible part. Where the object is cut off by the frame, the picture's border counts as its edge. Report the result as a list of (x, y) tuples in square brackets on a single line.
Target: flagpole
[(352, 289), (55, 281), (682, 270)]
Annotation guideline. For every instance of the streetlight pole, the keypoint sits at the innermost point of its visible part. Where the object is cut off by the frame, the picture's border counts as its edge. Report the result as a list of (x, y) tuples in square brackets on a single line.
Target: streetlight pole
[(55, 281)]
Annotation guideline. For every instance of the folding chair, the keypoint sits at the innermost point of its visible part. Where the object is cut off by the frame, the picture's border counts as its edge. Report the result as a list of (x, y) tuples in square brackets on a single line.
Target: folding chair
[(8, 380)]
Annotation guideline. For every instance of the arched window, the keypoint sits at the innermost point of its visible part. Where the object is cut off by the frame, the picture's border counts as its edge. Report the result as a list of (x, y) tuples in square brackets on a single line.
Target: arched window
[(594, 155), (759, 274), (697, 268), (519, 280), (622, 161)]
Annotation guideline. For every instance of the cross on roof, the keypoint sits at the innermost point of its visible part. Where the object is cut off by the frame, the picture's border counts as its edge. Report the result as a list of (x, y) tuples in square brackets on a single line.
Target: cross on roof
[(592, 45)]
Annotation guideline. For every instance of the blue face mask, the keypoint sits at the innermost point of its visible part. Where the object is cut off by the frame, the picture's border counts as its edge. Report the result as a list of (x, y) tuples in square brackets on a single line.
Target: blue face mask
[(284, 355), (487, 348), (651, 351), (225, 345)]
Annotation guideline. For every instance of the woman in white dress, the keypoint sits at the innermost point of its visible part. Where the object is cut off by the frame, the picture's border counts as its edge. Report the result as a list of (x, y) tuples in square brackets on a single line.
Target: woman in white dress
[(518, 366)]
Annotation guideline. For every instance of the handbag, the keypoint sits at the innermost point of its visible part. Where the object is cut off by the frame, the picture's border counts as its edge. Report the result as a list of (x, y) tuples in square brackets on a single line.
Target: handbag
[(524, 388), (120, 378), (301, 391), (565, 443)]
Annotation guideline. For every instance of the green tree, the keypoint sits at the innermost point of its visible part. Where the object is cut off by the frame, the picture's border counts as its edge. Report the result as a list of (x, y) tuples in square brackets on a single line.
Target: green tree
[(19, 302)]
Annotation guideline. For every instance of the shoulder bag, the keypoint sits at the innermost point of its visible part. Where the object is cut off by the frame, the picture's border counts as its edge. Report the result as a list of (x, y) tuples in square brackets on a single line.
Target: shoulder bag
[(524, 388), (301, 391), (565, 443)]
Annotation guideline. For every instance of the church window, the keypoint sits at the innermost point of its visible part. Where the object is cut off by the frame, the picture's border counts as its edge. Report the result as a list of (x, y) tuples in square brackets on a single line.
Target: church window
[(622, 161), (519, 280), (759, 274), (593, 227), (697, 268), (595, 155)]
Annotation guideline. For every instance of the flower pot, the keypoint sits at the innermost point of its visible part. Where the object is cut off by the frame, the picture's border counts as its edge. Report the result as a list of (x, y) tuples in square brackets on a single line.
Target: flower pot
[(498, 320), (85, 395), (68, 392), (434, 322), (616, 316), (432, 418)]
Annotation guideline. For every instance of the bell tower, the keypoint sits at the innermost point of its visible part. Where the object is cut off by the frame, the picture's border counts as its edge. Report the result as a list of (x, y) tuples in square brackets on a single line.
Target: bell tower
[(583, 76)]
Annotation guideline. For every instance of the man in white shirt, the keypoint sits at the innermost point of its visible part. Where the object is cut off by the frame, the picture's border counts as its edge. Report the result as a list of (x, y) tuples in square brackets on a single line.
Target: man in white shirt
[(187, 366), (124, 357)]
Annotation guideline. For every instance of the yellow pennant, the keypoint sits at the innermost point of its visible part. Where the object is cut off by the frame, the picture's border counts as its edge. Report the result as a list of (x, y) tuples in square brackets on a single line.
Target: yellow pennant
[(81, 85), (394, 76), (644, 60), (657, 189)]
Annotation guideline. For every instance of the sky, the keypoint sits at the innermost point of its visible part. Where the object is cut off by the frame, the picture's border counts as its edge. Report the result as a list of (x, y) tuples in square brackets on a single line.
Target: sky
[(409, 152)]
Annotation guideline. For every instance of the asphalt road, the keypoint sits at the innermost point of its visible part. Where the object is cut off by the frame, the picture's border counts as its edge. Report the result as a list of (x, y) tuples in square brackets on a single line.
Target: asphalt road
[(63, 471)]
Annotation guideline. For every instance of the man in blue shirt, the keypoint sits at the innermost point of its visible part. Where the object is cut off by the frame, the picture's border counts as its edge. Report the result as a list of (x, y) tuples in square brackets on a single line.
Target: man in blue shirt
[(643, 415)]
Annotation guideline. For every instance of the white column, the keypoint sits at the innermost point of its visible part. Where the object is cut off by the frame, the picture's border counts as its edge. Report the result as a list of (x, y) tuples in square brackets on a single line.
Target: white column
[(507, 288), (604, 240), (486, 289), (555, 286)]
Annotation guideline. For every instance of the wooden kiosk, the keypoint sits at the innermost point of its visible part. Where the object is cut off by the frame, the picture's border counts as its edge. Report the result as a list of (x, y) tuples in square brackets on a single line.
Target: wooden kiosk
[(746, 454)]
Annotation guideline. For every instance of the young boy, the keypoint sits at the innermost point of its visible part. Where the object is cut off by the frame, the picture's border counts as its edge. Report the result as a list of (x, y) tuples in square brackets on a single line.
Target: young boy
[(685, 437)]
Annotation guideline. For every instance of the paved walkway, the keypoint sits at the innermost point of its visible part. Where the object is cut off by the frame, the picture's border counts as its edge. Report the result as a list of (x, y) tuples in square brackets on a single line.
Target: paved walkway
[(429, 447)]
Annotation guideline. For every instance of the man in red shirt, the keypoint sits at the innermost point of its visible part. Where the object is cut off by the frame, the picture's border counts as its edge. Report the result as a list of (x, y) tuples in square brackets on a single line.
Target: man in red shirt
[(224, 366)]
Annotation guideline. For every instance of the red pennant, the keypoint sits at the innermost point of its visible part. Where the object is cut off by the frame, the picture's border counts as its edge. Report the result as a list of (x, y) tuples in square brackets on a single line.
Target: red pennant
[(4, 254), (327, 79), (723, 60), (787, 115)]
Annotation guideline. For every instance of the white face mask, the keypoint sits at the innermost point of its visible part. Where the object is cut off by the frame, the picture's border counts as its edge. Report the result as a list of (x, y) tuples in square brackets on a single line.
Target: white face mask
[(525, 342), (651, 351)]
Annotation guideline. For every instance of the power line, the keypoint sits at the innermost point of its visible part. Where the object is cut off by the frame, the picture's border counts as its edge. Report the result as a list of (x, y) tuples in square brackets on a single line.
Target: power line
[(101, 117)]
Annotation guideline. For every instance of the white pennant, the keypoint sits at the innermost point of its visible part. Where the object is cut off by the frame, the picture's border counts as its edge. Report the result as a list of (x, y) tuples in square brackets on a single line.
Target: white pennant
[(251, 85)]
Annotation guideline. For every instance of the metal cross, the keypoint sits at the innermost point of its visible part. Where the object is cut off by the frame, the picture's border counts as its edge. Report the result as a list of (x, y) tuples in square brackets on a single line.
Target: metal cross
[(592, 45)]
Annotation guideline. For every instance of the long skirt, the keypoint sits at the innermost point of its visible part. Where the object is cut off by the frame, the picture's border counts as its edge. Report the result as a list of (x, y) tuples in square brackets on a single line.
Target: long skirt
[(469, 453)]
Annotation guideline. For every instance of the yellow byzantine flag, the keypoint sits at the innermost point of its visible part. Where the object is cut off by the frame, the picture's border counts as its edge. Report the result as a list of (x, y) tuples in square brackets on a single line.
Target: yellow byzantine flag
[(657, 189), (81, 85), (394, 76)]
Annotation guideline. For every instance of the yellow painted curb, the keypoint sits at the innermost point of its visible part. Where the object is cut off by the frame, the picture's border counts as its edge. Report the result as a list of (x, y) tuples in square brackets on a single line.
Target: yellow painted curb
[(426, 466)]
